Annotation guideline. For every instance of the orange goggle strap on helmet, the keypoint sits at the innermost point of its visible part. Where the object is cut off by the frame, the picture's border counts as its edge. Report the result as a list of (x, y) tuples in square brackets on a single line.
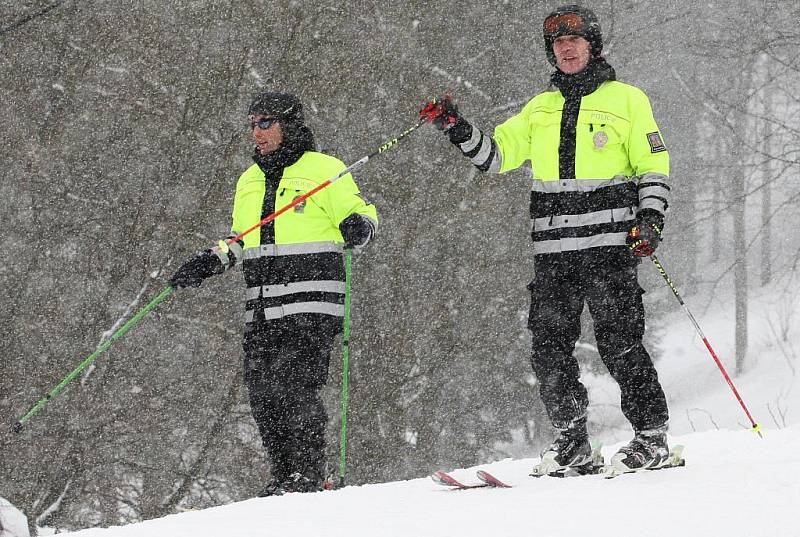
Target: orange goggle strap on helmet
[(571, 22)]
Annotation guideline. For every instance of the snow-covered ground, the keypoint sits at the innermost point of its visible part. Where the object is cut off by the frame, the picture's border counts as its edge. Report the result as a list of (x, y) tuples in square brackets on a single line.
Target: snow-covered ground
[(698, 395), (12, 521), (735, 483)]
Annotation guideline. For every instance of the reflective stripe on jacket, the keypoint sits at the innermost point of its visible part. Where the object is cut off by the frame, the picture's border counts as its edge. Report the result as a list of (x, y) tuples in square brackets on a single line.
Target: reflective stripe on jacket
[(621, 165), (303, 270)]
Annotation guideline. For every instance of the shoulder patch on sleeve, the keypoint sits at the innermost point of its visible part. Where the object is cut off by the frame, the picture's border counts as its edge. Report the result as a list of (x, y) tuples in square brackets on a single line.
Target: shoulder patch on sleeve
[(656, 143)]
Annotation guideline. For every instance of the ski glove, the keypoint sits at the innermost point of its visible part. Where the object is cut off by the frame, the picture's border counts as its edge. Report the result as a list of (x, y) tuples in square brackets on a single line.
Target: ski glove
[(443, 114), (357, 230), (196, 269), (645, 236)]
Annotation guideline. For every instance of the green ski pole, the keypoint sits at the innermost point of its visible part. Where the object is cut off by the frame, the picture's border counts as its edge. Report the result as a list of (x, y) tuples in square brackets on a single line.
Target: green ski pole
[(345, 371), (18, 425), (91, 358)]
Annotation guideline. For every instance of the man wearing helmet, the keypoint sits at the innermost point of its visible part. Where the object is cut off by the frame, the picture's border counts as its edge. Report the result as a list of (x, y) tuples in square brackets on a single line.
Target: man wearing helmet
[(599, 194)]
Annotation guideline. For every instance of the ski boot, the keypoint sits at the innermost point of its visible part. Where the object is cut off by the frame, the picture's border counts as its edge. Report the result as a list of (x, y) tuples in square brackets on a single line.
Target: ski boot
[(298, 482), (569, 454), (274, 488), (647, 451)]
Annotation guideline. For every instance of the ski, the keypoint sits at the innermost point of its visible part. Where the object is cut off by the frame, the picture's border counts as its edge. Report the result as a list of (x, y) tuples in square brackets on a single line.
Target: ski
[(443, 478), (547, 467), (491, 480), (487, 481), (616, 468)]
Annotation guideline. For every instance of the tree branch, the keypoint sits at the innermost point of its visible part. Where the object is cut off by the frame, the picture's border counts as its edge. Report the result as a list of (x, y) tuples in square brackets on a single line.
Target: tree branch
[(26, 19)]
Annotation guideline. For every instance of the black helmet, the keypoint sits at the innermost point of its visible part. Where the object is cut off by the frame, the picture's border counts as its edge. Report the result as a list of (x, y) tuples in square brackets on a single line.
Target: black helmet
[(284, 106), (572, 20)]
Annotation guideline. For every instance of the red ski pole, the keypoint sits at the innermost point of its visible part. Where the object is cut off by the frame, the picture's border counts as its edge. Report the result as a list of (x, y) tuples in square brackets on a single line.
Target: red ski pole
[(756, 427), (223, 244)]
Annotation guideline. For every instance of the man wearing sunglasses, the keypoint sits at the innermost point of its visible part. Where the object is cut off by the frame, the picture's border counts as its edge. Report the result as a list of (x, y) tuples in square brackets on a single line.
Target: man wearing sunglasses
[(294, 271), (599, 193)]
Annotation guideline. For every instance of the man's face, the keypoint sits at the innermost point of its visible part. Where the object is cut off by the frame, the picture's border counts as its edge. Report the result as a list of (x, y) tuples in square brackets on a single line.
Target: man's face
[(267, 133), (572, 53)]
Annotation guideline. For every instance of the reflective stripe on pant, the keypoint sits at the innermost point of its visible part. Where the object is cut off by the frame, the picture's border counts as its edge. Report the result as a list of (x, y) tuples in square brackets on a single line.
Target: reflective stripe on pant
[(607, 281), (286, 367), (278, 312)]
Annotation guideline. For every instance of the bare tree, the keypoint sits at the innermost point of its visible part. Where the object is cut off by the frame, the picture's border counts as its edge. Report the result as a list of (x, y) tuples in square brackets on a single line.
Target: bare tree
[(121, 146)]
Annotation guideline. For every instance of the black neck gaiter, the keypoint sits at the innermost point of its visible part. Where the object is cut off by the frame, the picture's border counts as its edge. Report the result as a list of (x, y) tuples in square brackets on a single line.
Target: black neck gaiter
[(584, 82), (573, 88), (297, 139)]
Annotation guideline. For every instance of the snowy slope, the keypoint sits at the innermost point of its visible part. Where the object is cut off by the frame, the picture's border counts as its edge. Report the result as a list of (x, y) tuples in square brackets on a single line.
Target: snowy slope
[(12, 521), (734, 484)]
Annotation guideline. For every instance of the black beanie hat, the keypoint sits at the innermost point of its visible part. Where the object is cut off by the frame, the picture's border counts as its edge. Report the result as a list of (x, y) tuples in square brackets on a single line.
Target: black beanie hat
[(588, 28), (283, 106), (297, 137)]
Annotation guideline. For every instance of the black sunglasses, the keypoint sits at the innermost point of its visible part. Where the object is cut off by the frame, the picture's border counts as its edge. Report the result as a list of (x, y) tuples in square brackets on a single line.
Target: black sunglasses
[(263, 123)]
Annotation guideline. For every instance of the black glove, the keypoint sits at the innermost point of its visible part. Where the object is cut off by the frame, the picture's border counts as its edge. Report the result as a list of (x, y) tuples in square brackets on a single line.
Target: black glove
[(645, 235), (357, 230), (196, 269)]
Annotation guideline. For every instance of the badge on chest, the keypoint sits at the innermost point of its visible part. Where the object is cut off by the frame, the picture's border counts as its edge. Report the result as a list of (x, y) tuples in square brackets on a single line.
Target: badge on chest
[(600, 139)]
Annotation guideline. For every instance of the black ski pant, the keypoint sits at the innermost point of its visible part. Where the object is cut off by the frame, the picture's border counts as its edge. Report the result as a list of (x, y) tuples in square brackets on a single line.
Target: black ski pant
[(286, 367), (606, 280)]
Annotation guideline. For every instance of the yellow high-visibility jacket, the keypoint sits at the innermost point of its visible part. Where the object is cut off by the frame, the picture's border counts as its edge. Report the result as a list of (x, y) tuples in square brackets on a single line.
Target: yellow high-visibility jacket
[(620, 166), (298, 269)]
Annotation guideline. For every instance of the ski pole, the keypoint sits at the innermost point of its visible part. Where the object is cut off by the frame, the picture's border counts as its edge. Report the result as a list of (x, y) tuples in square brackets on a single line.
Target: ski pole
[(223, 244), (345, 371), (91, 358), (756, 427)]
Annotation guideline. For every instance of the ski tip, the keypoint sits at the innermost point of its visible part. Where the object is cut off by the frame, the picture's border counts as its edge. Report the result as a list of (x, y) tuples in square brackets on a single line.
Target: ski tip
[(446, 480), (443, 478), (491, 480), (438, 477)]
